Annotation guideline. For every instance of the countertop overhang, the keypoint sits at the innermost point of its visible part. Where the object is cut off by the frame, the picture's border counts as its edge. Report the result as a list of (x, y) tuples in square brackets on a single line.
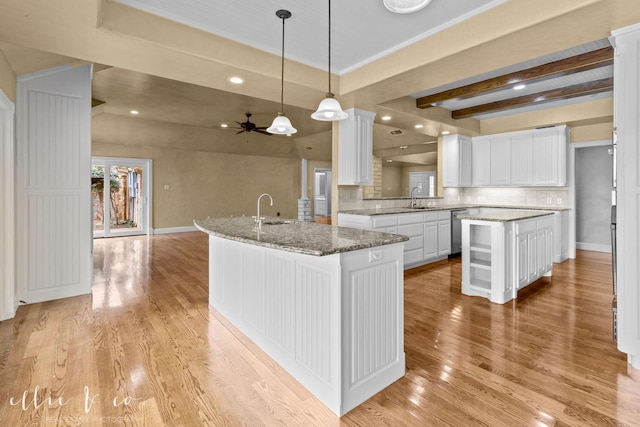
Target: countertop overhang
[(296, 236), (506, 215), (390, 211)]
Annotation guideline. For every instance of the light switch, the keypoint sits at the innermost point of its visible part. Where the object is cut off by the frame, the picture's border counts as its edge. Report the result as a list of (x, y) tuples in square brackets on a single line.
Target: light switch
[(166, 186)]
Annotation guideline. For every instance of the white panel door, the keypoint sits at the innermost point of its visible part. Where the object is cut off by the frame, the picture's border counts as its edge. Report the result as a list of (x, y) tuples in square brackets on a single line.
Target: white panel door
[(522, 159), (7, 209), (53, 233), (481, 162), (546, 157), (501, 161)]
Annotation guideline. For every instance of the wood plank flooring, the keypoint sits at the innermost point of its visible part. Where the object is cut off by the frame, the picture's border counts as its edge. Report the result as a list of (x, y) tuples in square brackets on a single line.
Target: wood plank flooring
[(145, 349)]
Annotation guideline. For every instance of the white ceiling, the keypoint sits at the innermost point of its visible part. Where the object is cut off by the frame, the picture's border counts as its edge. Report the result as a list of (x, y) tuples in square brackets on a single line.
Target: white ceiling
[(362, 30)]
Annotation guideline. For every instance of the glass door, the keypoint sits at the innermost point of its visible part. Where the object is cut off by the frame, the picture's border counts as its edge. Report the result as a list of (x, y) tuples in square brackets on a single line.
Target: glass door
[(120, 191)]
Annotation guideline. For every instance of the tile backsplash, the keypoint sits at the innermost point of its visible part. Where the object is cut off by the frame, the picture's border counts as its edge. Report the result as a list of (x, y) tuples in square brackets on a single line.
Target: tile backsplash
[(351, 197)]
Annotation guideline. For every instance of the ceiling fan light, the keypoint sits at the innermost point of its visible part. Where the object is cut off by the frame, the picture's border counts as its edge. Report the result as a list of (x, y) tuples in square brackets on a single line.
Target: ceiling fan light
[(281, 126), (329, 110), (405, 6)]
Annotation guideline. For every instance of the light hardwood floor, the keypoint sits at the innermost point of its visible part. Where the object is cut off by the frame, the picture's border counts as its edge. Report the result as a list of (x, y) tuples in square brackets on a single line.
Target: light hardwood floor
[(147, 338)]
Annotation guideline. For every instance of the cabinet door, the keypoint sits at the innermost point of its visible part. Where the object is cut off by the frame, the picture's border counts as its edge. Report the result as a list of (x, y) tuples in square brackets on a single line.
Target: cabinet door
[(451, 155), (522, 259), (522, 159), (532, 264), (430, 240), (355, 147), (501, 161), (481, 162), (546, 158), (465, 161), (541, 259), (444, 237)]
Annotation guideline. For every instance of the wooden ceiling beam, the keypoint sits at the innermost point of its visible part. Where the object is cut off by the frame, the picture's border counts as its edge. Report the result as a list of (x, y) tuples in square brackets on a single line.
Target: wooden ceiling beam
[(575, 64), (582, 89)]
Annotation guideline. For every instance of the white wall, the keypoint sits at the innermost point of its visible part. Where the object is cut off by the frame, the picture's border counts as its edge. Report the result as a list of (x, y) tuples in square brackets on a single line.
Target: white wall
[(7, 208)]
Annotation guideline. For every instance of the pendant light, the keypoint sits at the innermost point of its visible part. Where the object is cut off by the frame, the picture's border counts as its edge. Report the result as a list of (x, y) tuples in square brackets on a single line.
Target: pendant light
[(405, 6), (329, 109), (281, 124)]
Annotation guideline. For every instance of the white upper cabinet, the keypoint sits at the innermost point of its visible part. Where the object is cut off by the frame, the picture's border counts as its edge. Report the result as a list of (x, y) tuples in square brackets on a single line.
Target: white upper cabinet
[(457, 161), (550, 156), (500, 160), (356, 148), (481, 162), (535, 157), (521, 155)]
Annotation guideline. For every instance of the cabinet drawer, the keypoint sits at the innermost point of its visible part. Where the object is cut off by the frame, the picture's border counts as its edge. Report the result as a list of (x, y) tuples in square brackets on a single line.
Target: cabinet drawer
[(413, 218), (384, 221), (413, 256), (411, 230), (413, 243), (430, 216), (444, 215)]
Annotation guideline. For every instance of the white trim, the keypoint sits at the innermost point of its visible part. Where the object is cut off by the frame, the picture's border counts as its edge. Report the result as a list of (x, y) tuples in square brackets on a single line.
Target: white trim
[(169, 230), (37, 74), (571, 184), (7, 209), (147, 175), (593, 247)]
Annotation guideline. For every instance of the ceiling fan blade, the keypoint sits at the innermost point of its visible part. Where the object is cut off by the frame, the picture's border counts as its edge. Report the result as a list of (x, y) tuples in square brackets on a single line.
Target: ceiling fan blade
[(262, 131)]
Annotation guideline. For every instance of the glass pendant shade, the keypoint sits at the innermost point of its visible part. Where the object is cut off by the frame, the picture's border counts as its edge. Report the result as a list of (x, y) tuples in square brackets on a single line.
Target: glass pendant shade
[(405, 6), (329, 110), (281, 126)]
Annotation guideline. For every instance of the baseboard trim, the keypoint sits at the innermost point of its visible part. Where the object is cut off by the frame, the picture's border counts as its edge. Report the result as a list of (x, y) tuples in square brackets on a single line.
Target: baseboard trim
[(593, 247), (169, 230)]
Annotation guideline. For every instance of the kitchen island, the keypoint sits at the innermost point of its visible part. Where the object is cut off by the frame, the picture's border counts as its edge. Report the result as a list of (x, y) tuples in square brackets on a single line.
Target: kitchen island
[(325, 302), (504, 251)]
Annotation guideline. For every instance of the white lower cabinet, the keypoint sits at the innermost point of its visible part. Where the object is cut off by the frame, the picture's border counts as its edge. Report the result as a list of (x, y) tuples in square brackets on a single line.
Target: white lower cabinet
[(429, 232), (499, 258)]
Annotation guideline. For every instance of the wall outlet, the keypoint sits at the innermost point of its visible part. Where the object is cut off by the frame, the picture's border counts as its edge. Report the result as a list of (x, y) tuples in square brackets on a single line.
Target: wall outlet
[(166, 186), (548, 200)]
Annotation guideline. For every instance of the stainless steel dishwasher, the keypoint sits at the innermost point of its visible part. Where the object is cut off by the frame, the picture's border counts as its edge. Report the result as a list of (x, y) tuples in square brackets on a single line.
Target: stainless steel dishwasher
[(456, 230)]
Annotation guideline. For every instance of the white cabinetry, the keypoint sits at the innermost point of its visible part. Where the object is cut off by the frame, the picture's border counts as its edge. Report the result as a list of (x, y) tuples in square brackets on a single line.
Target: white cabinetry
[(457, 161), (429, 232), (550, 156), (528, 158), (626, 112), (560, 236), (356, 148), (521, 156), (500, 161), (499, 258), (481, 162), (411, 225)]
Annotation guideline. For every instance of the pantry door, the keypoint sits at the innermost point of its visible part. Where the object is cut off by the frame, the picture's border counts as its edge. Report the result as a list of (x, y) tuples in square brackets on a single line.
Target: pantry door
[(121, 196)]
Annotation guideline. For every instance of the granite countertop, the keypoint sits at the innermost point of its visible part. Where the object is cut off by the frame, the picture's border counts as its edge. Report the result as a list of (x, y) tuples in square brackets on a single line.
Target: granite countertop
[(506, 215), (296, 236), (388, 211)]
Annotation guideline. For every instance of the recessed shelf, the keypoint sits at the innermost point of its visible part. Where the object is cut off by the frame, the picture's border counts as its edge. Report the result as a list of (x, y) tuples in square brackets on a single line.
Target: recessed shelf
[(482, 285), (480, 248), (480, 263)]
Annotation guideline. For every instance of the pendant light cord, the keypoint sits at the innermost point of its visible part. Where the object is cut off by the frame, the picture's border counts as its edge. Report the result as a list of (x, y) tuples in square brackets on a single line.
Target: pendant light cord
[(329, 68), (282, 72)]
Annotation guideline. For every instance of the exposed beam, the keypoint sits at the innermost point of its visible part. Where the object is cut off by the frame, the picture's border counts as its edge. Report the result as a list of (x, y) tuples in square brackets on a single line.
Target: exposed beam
[(575, 64), (589, 88)]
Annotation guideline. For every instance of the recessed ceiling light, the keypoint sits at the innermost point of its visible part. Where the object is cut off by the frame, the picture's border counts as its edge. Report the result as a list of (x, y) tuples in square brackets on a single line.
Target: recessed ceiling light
[(385, 118), (236, 80), (445, 132), (519, 87), (224, 125), (134, 112), (389, 161), (418, 126), (403, 147)]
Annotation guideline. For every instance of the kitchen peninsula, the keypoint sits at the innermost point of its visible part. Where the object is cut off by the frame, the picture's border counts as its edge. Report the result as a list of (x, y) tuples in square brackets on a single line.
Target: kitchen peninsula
[(324, 302), (504, 251)]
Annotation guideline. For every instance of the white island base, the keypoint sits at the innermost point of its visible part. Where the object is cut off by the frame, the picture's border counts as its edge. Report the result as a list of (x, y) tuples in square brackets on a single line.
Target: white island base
[(501, 257), (334, 322)]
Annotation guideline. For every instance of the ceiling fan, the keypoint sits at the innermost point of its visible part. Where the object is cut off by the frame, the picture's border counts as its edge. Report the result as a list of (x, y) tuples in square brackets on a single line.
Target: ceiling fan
[(249, 126)]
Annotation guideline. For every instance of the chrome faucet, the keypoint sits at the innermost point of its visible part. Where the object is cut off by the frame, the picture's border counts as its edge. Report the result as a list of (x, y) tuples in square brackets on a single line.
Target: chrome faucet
[(413, 199), (258, 219)]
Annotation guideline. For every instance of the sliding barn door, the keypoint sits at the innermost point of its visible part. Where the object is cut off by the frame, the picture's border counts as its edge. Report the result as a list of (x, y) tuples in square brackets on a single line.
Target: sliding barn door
[(53, 212)]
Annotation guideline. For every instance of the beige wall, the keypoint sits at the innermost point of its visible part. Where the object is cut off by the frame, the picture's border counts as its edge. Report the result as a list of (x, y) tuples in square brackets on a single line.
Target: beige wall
[(202, 183), (596, 132), (7, 78), (391, 181)]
